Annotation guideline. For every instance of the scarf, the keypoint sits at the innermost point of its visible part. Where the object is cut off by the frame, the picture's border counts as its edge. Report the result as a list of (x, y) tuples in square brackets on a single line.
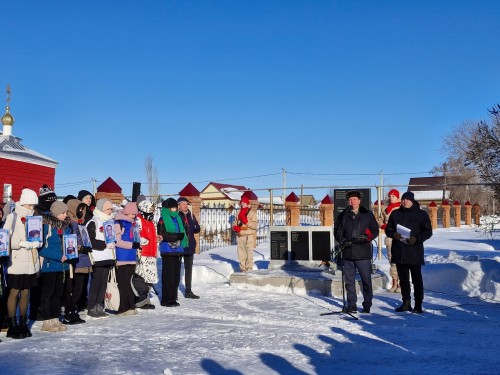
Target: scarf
[(168, 219), (391, 207)]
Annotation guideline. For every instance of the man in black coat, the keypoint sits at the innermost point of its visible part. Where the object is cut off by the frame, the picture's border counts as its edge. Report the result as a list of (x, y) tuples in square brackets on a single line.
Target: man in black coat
[(355, 228), (408, 253), (191, 228)]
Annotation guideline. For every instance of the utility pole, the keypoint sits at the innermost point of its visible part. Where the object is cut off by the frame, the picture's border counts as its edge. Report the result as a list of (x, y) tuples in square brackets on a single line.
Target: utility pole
[(284, 184)]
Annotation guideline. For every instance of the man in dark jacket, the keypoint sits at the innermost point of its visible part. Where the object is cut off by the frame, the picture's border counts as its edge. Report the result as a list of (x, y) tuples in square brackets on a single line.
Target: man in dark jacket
[(355, 229), (408, 253), (191, 227)]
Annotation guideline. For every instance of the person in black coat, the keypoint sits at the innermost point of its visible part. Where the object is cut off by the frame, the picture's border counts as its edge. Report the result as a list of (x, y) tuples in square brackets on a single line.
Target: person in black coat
[(408, 253), (355, 228), (191, 228)]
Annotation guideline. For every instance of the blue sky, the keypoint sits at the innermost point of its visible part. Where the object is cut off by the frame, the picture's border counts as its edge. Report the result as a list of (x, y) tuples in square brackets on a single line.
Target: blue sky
[(228, 91)]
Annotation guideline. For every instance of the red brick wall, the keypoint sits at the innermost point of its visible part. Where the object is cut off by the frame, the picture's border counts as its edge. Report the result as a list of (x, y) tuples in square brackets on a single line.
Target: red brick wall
[(24, 175)]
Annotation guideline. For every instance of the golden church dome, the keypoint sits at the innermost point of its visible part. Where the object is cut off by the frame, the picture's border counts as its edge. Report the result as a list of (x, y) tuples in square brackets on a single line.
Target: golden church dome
[(7, 119)]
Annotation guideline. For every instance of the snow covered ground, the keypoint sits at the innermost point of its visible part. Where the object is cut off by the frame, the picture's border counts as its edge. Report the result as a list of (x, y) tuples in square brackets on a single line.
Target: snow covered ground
[(237, 329)]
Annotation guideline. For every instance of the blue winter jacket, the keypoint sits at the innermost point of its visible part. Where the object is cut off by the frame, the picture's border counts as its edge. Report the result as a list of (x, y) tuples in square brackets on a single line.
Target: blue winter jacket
[(52, 251), (125, 254)]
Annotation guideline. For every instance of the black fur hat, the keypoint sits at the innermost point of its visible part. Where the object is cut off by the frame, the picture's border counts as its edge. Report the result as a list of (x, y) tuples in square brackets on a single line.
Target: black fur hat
[(169, 203)]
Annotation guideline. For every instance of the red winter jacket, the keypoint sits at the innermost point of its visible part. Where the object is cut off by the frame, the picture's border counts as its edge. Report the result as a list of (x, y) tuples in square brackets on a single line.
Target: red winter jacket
[(148, 231)]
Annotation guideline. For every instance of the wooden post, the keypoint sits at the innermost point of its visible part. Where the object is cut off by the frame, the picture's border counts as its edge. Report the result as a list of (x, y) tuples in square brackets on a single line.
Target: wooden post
[(468, 213), (446, 216), (477, 214), (458, 213), (433, 213)]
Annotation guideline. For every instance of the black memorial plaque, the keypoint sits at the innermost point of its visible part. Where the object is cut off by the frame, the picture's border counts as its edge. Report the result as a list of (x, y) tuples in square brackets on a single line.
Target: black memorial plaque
[(321, 245), (299, 245), (340, 200), (279, 245)]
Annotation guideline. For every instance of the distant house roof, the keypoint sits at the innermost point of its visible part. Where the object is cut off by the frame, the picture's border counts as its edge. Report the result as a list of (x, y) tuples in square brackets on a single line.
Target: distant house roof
[(428, 188), (11, 148), (308, 200), (231, 192), (109, 186), (426, 183)]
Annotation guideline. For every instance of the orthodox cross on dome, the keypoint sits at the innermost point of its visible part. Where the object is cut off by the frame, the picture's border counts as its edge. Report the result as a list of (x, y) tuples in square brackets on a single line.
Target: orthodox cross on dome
[(9, 91)]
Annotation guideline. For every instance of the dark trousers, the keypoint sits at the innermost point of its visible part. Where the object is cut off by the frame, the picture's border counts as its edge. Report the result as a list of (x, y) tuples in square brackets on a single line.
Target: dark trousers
[(73, 288), (404, 271), (188, 271), (4, 293), (51, 294), (81, 303), (35, 299), (364, 267), (170, 277), (98, 284), (124, 275)]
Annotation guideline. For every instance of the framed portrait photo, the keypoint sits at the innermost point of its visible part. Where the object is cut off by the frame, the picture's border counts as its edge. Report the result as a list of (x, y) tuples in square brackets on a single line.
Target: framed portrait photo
[(33, 228), (4, 243), (70, 246), (109, 231), (84, 233)]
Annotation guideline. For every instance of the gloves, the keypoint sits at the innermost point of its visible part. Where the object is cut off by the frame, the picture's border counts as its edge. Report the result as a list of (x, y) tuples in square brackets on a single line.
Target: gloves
[(360, 240), (236, 228), (411, 241), (180, 236), (136, 245), (397, 236), (30, 245), (369, 235), (144, 241), (85, 250)]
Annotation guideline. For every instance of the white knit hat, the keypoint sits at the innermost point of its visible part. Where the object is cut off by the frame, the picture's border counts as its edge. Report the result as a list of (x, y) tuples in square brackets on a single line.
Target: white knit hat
[(28, 196)]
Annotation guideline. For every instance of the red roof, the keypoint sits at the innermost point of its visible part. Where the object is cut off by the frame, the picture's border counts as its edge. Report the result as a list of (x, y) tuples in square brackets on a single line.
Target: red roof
[(189, 191), (109, 186), (327, 200), (292, 197)]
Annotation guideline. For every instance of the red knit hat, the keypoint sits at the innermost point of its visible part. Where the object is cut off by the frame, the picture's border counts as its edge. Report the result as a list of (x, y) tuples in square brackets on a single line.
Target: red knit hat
[(245, 200), (393, 192)]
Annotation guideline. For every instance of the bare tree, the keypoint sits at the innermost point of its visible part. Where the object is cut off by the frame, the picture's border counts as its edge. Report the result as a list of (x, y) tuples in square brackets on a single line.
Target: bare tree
[(462, 180), (152, 176), (483, 150)]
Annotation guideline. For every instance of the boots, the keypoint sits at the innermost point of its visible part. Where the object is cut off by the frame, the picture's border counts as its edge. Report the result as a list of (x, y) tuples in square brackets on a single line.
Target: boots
[(23, 327), (406, 306), (14, 330), (418, 308)]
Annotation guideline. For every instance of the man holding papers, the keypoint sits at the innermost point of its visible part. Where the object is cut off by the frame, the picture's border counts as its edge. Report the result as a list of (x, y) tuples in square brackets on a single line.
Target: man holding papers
[(409, 227)]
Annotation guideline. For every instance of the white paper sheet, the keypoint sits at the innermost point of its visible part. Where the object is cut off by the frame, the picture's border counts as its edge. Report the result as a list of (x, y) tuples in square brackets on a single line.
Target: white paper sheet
[(403, 231)]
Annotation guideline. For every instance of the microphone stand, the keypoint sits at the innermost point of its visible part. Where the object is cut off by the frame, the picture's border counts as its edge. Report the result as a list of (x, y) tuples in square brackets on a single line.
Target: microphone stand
[(344, 307)]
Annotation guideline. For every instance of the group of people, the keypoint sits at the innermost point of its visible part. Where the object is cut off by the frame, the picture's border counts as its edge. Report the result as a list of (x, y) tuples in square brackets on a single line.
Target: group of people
[(131, 245), (406, 226), (39, 278)]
